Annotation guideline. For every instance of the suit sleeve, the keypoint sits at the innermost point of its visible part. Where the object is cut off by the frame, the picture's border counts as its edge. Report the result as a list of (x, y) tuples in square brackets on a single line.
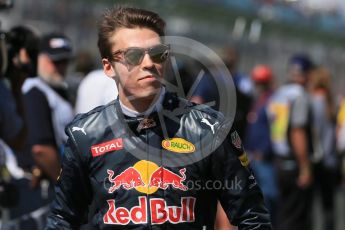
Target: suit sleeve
[(72, 192), (241, 197)]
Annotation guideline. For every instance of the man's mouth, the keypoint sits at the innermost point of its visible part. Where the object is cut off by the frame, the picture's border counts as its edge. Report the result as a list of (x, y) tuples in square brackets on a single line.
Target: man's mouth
[(147, 77)]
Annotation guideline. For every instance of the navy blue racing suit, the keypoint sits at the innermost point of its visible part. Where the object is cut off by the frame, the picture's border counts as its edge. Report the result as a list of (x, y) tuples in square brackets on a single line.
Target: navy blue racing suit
[(162, 171)]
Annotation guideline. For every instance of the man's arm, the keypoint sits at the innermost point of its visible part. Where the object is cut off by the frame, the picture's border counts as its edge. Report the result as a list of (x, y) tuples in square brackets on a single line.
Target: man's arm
[(299, 140), (241, 197), (11, 123), (41, 137), (72, 193)]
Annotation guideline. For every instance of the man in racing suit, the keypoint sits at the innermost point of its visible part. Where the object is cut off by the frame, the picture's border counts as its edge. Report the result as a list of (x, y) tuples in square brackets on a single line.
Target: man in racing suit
[(150, 160)]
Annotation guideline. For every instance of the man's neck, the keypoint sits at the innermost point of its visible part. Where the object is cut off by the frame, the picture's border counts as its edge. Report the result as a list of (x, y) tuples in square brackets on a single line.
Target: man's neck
[(53, 79), (140, 105)]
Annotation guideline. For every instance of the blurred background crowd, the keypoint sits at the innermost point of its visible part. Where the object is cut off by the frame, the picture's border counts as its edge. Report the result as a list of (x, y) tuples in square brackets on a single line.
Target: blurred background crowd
[(287, 62)]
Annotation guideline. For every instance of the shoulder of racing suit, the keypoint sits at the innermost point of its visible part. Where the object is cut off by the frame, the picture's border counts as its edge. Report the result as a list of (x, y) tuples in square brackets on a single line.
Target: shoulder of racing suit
[(100, 126), (194, 118)]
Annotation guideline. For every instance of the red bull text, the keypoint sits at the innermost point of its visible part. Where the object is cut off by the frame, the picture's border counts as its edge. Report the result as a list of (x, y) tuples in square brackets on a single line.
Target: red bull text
[(160, 212)]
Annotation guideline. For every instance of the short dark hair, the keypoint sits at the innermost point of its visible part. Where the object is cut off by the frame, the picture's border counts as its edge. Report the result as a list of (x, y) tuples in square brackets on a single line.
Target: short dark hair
[(125, 17)]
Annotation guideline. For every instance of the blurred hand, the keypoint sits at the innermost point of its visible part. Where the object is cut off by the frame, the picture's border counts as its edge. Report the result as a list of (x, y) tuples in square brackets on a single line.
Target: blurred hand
[(47, 160), (305, 178), (36, 177)]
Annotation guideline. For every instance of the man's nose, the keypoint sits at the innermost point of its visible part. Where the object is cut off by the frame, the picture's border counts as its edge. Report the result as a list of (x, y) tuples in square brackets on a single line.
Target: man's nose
[(147, 61)]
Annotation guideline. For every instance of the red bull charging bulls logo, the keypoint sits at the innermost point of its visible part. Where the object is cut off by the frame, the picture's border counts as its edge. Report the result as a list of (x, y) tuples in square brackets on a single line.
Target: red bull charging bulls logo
[(128, 179), (147, 177)]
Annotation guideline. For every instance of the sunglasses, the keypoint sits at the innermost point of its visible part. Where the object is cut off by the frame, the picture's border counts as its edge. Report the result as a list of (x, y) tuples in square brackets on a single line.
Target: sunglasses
[(135, 55)]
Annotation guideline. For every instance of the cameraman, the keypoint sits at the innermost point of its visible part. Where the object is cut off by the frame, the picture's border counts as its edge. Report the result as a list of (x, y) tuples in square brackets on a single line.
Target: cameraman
[(20, 52)]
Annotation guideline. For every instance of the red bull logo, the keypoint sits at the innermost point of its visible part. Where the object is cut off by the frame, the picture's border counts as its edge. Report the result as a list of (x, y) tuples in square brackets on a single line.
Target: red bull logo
[(128, 179), (109, 146), (161, 212), (162, 178), (147, 177)]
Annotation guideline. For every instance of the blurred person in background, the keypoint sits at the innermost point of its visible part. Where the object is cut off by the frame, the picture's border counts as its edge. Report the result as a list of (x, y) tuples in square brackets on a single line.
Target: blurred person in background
[(289, 113), (22, 46), (324, 143), (21, 49), (207, 92), (14, 55), (47, 106), (244, 90), (95, 89), (83, 64), (258, 140), (340, 136)]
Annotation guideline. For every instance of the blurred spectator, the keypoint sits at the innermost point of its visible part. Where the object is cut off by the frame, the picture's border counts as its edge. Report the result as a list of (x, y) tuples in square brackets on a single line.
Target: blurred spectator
[(289, 112), (94, 90), (324, 158), (10, 121), (46, 104), (83, 64), (341, 127), (22, 50), (207, 92), (340, 136), (258, 139), (244, 89)]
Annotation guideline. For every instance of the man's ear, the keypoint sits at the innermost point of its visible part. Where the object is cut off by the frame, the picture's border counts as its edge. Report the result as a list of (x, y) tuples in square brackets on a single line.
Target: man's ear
[(108, 68)]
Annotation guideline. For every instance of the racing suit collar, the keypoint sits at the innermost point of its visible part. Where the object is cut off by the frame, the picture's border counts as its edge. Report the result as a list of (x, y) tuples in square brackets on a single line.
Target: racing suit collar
[(150, 118), (155, 106)]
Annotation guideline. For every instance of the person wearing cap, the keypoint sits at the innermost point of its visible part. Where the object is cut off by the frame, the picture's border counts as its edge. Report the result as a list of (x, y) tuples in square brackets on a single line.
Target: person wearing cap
[(289, 114), (47, 107)]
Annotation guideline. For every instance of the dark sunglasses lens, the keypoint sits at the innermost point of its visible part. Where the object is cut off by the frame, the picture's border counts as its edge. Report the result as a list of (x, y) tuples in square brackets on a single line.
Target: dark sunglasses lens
[(134, 56), (159, 53)]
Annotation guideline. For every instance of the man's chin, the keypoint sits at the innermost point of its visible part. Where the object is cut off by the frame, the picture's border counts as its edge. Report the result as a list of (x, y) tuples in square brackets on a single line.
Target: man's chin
[(144, 94)]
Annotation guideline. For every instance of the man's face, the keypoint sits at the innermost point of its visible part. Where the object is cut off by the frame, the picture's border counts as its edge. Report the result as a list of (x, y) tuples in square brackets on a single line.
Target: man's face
[(135, 81), (52, 69)]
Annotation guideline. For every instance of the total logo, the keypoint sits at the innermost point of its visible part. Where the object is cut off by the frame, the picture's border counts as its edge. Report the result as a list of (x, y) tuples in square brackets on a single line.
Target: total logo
[(105, 147), (146, 177), (160, 212)]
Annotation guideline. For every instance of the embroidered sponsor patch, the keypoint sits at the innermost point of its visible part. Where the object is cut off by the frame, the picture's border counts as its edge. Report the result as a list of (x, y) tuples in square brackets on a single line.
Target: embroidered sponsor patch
[(146, 123), (178, 145), (109, 146), (236, 140), (244, 159)]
